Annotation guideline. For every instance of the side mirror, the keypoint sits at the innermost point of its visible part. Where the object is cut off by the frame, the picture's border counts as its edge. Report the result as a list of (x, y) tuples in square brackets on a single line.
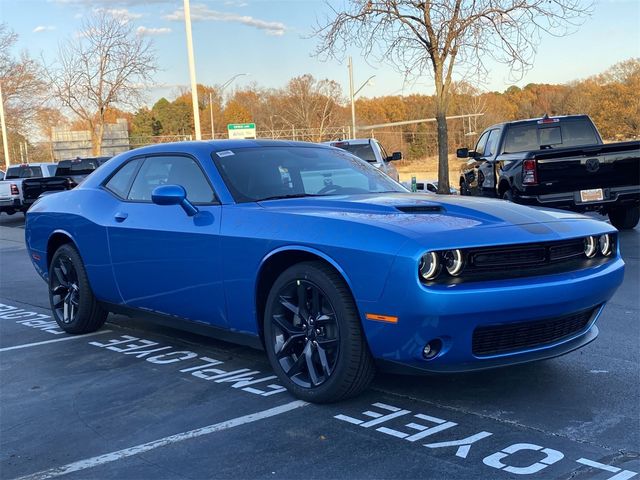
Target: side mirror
[(395, 156), (462, 153), (173, 195)]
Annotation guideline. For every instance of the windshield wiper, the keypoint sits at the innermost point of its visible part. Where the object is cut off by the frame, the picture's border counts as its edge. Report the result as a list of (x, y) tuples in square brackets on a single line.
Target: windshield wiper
[(289, 195)]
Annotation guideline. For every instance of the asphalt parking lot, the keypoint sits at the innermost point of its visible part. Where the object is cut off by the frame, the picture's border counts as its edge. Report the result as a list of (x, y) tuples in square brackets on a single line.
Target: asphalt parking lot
[(138, 401)]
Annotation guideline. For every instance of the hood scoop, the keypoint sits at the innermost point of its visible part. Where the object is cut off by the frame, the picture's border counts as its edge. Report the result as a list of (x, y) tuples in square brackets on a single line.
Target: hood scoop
[(420, 209)]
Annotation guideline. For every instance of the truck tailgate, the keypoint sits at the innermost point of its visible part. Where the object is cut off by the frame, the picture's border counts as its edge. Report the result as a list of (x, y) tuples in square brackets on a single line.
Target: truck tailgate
[(602, 166), (32, 188), (5, 188)]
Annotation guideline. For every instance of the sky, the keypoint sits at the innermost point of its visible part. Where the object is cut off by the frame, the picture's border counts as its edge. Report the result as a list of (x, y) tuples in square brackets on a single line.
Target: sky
[(271, 42)]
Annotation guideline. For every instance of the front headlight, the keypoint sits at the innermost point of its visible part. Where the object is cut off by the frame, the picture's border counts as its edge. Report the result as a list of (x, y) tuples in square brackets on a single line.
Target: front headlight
[(590, 247), (453, 262), (429, 266), (605, 244)]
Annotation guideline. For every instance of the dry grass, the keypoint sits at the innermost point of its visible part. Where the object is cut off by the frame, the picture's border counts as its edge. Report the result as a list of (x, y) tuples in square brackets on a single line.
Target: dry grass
[(427, 169)]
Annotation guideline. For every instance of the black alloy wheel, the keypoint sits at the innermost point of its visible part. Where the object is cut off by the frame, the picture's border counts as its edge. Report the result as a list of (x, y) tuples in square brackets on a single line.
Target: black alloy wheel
[(73, 304), (313, 335), (305, 333), (65, 291)]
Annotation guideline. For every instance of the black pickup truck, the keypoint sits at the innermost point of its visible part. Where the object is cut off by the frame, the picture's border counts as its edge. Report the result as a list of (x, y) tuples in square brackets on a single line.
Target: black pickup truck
[(68, 174), (558, 162)]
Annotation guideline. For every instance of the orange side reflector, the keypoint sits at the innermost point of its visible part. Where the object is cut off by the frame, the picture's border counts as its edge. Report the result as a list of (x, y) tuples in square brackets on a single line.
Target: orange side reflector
[(382, 318)]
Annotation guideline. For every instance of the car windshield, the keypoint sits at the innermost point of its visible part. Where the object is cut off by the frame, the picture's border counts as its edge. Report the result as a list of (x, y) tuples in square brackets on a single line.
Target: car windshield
[(23, 171), (364, 151), (261, 173)]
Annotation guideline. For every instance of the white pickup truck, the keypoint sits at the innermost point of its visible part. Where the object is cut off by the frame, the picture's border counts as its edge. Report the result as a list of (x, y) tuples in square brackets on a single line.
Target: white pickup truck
[(11, 199), (372, 151)]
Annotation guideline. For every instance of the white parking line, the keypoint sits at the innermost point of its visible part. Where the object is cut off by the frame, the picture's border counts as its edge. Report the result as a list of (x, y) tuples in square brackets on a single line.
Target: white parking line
[(145, 447), (27, 345)]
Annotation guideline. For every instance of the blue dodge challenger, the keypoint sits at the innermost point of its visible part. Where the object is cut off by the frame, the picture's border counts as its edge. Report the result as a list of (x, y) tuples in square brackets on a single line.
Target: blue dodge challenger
[(317, 257)]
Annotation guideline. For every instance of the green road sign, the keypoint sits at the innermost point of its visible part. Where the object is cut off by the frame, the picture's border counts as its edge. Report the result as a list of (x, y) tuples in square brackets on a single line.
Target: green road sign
[(241, 130)]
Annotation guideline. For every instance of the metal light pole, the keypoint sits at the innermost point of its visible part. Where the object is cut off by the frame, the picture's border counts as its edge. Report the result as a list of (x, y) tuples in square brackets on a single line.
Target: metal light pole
[(5, 140), (353, 94), (192, 70), (224, 85), (353, 104)]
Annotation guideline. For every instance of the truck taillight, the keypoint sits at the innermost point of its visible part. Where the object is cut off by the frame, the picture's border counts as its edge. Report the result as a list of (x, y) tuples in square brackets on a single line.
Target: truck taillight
[(529, 172), (14, 189)]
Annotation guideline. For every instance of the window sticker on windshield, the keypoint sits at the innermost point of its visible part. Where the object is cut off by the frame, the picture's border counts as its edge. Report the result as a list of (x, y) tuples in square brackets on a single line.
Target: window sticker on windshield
[(225, 153)]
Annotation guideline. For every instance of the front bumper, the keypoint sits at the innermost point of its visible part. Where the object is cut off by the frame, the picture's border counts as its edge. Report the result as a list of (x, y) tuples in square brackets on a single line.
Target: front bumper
[(451, 313), (613, 197)]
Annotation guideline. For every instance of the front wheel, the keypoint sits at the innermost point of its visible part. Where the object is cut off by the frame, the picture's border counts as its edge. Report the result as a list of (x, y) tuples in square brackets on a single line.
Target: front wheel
[(313, 335), (625, 218), (73, 304)]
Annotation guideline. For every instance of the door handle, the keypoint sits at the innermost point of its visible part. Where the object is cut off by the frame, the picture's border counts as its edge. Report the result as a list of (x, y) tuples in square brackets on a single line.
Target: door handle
[(121, 216)]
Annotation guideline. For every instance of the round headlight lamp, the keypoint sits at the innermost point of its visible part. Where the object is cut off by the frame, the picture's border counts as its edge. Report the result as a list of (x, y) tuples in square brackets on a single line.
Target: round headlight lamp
[(605, 244), (453, 261), (429, 266), (590, 247)]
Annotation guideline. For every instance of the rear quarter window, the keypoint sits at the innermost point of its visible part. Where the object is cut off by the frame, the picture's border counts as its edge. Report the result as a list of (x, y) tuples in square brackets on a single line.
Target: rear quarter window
[(120, 182)]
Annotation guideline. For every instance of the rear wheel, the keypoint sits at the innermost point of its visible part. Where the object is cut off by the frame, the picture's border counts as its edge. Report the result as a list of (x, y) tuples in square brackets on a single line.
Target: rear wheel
[(508, 196), (625, 218), (313, 335), (73, 304)]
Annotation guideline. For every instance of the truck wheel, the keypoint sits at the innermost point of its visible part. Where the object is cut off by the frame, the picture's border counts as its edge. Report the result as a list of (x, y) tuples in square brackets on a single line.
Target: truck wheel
[(625, 218), (313, 336), (464, 189), (73, 304), (508, 196)]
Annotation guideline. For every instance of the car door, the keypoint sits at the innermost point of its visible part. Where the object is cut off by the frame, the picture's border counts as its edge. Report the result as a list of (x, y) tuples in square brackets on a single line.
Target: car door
[(164, 260), (486, 170)]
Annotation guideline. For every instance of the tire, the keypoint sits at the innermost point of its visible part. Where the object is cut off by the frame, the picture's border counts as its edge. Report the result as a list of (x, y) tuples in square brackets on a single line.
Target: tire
[(327, 325), (625, 218), (508, 196), (73, 304), (464, 190)]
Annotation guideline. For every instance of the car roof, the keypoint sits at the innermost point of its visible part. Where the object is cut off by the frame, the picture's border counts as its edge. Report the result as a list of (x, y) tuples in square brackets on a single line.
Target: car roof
[(351, 141), (221, 145)]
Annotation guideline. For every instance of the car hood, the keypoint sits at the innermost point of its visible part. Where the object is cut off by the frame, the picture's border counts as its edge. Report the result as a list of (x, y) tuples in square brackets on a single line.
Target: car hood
[(427, 214)]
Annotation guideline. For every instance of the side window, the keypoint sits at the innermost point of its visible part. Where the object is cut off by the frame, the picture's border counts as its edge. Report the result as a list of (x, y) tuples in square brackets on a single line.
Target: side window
[(121, 181), (492, 143), (481, 143), (171, 170)]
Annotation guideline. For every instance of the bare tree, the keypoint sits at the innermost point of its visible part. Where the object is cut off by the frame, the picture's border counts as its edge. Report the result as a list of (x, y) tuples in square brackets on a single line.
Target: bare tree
[(106, 65), (312, 104), (22, 86), (443, 37)]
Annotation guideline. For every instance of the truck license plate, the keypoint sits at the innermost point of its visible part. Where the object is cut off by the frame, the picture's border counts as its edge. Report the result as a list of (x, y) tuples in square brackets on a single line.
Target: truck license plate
[(593, 195)]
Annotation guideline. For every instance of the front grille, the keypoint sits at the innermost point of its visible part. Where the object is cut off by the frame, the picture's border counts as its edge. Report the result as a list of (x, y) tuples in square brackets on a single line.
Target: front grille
[(527, 254), (525, 260), (508, 257), (566, 250), (511, 337)]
